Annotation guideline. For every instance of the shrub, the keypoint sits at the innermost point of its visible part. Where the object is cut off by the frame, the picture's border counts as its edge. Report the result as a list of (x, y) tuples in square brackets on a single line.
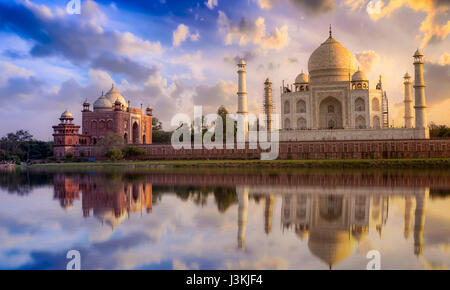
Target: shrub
[(132, 151), (69, 156), (114, 154)]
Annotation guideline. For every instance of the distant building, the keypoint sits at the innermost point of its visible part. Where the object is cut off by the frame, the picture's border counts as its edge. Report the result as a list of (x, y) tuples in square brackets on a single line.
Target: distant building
[(336, 101), (111, 115)]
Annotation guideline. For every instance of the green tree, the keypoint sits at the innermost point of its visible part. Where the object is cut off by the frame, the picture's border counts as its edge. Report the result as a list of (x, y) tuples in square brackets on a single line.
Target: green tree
[(439, 131), (114, 154), (109, 142), (158, 134), (132, 151)]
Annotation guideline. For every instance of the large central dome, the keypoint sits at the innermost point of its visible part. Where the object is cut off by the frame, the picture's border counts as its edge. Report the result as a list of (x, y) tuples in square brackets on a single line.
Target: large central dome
[(331, 61)]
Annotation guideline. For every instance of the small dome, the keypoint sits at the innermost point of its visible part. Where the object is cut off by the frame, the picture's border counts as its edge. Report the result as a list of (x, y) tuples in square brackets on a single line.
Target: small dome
[(117, 102), (242, 62), (359, 76), (86, 103), (149, 108), (418, 53), (113, 95), (103, 103), (66, 115), (302, 78), (407, 76)]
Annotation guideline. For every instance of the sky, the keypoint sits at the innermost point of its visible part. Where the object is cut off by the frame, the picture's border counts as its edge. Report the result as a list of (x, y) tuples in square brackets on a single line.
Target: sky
[(172, 55)]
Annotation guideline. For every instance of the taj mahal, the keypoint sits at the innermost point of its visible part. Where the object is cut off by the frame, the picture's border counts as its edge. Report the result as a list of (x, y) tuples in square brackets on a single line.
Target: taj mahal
[(333, 112), (335, 101)]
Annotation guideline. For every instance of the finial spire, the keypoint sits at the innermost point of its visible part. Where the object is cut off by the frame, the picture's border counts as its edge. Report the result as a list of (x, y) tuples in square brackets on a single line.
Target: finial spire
[(330, 32)]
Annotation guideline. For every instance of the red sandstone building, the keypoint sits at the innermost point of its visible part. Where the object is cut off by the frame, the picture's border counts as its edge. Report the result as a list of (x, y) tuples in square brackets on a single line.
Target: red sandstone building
[(111, 115)]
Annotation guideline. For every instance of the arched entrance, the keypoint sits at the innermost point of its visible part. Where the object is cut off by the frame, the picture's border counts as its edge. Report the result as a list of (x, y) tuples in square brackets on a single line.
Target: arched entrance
[(330, 114), (376, 122), (135, 133)]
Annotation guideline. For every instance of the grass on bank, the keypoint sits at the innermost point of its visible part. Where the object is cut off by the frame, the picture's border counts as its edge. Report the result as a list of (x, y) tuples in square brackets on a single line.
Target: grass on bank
[(338, 163)]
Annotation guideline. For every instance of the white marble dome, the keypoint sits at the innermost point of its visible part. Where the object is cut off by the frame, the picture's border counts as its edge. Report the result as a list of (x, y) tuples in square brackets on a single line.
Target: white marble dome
[(114, 95), (103, 103), (302, 78), (331, 61), (359, 76), (66, 115)]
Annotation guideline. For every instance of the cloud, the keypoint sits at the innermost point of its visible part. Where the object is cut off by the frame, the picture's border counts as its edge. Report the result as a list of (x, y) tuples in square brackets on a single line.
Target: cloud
[(433, 28), (437, 76), (211, 4), (315, 6), (182, 33), (211, 97), (367, 59), (247, 31), (265, 4), (307, 6), (247, 55), (56, 34), (122, 65)]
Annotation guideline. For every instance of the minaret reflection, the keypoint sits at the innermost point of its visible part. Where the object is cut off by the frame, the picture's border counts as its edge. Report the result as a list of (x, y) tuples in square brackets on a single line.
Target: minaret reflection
[(408, 214), (242, 193), (419, 222), (268, 210)]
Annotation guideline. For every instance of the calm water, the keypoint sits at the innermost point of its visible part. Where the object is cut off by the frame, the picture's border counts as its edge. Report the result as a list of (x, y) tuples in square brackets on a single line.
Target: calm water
[(190, 219)]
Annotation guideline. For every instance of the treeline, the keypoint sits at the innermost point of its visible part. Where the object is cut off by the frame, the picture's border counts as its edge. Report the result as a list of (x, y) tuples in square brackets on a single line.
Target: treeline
[(439, 131), (21, 147)]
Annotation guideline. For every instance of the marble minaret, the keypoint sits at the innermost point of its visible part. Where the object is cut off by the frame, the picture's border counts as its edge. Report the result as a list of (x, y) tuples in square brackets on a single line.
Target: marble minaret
[(408, 101), (268, 105), (419, 91), (242, 95)]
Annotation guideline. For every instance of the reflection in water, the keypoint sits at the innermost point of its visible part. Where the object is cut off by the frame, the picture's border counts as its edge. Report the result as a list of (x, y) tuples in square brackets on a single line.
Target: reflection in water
[(333, 221), (109, 201)]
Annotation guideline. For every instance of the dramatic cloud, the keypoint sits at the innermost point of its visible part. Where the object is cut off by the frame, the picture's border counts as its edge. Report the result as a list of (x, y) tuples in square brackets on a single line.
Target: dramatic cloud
[(437, 76), (435, 27), (182, 33), (315, 6), (308, 6), (55, 34), (211, 4), (265, 4), (367, 59), (211, 97), (122, 65), (247, 31)]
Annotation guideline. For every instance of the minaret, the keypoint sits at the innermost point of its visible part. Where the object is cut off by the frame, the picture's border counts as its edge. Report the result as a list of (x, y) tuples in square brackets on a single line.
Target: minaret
[(408, 214), (242, 215), (419, 220), (408, 101), (242, 95), (419, 91), (268, 105)]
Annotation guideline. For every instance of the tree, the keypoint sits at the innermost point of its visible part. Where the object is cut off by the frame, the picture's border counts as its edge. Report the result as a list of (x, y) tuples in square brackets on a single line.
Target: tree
[(114, 154), (109, 142), (158, 134), (439, 131), (132, 151)]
